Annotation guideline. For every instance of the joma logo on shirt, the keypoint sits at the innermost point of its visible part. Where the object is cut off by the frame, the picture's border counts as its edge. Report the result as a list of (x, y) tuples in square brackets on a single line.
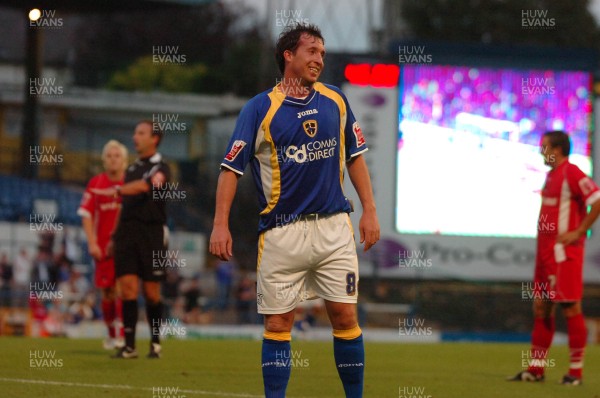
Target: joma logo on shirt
[(308, 112)]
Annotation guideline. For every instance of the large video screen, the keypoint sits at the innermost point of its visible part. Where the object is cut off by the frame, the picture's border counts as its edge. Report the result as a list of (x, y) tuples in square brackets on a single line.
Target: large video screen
[(468, 156)]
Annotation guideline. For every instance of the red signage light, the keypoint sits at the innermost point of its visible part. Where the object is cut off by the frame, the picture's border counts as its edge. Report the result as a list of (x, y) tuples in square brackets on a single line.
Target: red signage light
[(378, 75)]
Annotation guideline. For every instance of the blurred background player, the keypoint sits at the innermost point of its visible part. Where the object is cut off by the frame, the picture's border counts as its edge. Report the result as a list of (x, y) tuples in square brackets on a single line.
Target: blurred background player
[(141, 234), (562, 227), (98, 216), (299, 137)]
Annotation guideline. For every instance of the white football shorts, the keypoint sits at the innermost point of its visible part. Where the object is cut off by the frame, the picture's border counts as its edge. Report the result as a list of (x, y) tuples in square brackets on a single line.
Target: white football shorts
[(314, 256)]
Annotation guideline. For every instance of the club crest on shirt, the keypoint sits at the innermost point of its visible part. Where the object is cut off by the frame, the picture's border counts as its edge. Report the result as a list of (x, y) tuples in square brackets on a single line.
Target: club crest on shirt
[(360, 138), (310, 127), (236, 148)]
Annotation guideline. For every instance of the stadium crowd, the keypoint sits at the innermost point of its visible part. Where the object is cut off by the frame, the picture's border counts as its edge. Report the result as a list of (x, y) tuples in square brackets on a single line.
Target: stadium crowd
[(60, 292)]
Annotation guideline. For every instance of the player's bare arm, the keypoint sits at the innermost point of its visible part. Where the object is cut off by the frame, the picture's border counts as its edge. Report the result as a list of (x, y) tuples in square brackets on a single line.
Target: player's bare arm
[(87, 223), (369, 223), (131, 188), (569, 237), (221, 243)]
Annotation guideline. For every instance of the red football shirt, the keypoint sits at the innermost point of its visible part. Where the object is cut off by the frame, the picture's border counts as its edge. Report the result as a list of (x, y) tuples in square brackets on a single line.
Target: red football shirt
[(566, 194), (103, 209)]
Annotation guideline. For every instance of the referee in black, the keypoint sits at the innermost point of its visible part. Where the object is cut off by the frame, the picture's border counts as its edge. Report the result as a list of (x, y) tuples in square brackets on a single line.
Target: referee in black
[(140, 236)]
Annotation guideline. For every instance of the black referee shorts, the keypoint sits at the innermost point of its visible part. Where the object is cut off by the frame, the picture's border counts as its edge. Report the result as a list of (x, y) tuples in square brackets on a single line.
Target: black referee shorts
[(136, 245)]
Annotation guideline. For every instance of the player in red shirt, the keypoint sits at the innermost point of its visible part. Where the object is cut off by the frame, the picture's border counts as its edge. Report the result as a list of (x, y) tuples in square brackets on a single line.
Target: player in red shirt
[(562, 227), (99, 215)]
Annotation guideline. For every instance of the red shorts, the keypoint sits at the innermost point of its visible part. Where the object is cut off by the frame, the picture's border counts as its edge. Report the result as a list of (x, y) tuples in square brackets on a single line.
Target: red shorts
[(105, 273), (559, 272)]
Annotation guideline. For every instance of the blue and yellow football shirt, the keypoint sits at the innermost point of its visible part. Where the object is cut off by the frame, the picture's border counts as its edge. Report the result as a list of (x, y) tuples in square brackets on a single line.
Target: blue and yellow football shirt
[(297, 149)]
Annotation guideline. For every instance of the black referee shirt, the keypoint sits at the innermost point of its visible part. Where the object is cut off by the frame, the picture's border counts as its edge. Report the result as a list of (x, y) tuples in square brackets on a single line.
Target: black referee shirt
[(147, 207)]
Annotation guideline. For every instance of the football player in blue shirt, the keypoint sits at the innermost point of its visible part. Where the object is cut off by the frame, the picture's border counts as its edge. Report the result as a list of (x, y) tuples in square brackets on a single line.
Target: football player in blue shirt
[(298, 138)]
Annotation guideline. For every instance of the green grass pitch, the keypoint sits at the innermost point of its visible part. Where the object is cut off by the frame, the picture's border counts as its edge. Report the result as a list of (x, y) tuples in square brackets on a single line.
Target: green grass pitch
[(230, 368)]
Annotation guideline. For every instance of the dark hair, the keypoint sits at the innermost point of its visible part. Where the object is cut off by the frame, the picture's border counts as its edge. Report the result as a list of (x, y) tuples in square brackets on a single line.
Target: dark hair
[(559, 138), (289, 38), (154, 129)]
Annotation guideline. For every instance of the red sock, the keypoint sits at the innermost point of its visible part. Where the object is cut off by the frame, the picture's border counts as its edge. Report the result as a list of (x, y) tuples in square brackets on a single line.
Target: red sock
[(108, 312), (577, 339), (119, 316), (541, 338)]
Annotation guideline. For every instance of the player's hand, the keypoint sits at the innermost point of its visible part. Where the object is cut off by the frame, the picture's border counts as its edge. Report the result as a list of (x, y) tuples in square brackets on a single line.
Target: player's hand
[(95, 251), (569, 237), (369, 229), (110, 248), (104, 191), (221, 243)]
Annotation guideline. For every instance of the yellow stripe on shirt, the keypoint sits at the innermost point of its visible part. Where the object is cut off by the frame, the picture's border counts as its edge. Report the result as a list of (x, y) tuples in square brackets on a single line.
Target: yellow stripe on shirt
[(335, 97), (275, 185)]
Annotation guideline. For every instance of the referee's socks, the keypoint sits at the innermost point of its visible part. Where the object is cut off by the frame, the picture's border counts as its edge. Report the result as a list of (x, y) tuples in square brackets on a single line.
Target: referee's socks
[(154, 316), (130, 316)]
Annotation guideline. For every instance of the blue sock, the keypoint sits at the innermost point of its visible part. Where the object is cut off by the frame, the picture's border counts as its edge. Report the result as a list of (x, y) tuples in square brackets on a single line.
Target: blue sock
[(350, 362), (276, 367)]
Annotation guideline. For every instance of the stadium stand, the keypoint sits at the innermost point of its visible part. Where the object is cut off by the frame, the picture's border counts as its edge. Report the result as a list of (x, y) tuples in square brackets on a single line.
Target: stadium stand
[(18, 198)]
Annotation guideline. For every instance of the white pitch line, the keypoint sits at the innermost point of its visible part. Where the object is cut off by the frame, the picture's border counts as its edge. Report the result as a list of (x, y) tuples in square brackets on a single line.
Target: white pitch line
[(124, 387)]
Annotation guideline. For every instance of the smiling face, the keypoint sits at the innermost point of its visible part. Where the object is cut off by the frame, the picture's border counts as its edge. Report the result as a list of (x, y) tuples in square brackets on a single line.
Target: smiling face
[(306, 63)]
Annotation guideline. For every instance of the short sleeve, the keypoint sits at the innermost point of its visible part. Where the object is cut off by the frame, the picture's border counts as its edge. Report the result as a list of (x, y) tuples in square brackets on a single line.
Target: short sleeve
[(159, 175), (355, 140), (241, 146), (582, 186)]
